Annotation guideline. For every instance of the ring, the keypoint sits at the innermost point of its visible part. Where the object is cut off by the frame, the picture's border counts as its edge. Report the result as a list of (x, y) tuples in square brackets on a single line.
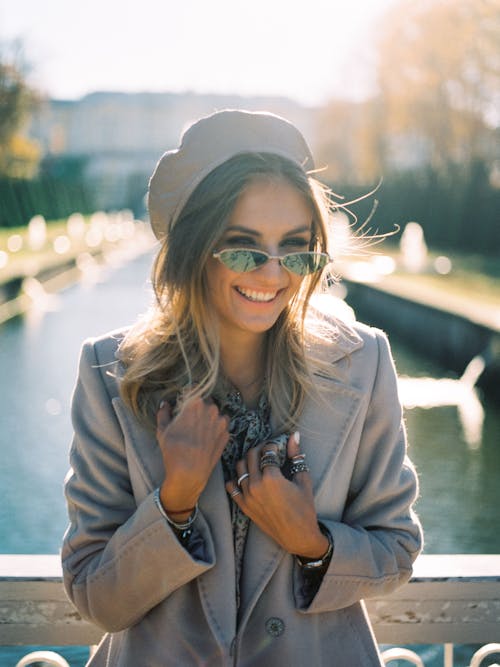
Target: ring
[(298, 467), (242, 477), (235, 492), (298, 458), (269, 464), (269, 454), (269, 458)]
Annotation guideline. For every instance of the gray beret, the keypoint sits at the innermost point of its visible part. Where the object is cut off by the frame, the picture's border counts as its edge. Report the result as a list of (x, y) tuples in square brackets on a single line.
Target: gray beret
[(206, 145)]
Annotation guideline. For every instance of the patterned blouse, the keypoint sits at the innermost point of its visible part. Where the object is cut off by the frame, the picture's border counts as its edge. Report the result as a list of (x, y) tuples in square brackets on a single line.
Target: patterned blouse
[(247, 429)]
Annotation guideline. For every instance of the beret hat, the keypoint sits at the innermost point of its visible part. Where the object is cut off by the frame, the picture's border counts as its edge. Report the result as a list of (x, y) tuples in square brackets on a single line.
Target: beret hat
[(207, 144)]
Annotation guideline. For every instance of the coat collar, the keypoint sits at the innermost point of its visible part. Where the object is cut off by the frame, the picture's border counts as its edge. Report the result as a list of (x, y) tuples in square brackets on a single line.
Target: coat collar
[(333, 335)]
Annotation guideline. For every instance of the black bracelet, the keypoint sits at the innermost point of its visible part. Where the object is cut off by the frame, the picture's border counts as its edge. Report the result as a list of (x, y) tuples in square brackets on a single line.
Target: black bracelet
[(315, 565)]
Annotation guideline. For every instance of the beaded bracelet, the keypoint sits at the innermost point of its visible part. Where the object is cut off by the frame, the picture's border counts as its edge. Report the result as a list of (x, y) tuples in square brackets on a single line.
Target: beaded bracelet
[(178, 526)]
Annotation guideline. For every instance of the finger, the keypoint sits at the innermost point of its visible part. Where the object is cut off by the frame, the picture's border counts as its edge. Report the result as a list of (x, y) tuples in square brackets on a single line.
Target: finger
[(302, 478), (293, 445), (224, 424), (163, 416), (234, 492), (269, 460), (252, 462), (243, 475), (304, 481), (222, 440)]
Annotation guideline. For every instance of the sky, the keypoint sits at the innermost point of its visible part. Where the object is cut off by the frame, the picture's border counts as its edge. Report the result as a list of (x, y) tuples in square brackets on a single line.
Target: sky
[(308, 50)]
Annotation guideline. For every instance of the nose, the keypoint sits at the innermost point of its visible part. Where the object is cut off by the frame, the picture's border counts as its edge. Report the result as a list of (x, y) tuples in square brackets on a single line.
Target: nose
[(272, 270)]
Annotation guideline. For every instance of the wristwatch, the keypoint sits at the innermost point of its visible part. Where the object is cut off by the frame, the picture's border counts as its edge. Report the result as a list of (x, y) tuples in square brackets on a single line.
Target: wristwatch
[(314, 565)]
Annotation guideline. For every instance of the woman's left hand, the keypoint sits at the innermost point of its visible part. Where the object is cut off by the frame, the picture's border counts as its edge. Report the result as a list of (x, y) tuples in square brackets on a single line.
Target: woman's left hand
[(281, 508)]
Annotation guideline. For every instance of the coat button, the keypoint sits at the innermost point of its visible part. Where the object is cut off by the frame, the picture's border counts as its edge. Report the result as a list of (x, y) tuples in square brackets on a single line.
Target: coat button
[(275, 626)]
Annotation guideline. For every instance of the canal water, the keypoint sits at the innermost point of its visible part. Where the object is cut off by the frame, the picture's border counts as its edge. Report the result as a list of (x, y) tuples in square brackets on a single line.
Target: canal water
[(455, 443)]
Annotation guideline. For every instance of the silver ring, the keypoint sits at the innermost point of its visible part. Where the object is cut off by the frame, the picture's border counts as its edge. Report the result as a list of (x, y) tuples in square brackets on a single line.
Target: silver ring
[(235, 492), (269, 464), (298, 458), (270, 455), (242, 477), (270, 458), (299, 467)]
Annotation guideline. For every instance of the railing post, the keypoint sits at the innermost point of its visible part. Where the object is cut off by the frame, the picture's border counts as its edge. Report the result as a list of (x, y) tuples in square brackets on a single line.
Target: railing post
[(448, 655)]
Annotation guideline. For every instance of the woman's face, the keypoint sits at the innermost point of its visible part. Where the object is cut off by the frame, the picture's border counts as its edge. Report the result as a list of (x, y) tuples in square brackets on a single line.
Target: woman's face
[(269, 215)]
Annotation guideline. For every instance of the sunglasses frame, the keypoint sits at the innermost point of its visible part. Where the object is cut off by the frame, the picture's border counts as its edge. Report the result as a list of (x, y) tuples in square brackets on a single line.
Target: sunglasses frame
[(280, 258)]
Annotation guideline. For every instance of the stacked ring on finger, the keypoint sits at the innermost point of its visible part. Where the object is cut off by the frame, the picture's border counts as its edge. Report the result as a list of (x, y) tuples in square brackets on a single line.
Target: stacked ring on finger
[(299, 466), (269, 458), (242, 477)]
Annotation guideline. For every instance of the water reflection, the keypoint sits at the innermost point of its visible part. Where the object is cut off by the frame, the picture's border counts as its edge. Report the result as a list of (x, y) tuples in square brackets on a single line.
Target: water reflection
[(38, 361), (86, 252), (459, 490), (428, 392), (40, 299), (460, 494)]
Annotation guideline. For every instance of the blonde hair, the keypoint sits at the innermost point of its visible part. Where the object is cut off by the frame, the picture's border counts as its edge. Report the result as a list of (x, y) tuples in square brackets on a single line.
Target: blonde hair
[(175, 349)]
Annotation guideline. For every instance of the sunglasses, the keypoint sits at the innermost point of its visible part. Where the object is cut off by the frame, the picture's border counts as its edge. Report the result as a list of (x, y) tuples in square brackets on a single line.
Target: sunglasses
[(242, 260)]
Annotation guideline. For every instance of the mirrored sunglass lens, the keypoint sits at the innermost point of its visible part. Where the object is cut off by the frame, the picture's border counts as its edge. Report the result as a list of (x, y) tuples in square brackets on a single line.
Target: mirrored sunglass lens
[(303, 263), (242, 260)]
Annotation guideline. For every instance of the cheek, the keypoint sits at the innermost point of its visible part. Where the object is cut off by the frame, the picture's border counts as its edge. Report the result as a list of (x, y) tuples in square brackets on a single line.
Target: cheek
[(217, 278)]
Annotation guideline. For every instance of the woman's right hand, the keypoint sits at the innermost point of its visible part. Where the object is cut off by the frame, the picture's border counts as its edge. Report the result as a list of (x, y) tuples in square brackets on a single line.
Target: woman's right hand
[(191, 444)]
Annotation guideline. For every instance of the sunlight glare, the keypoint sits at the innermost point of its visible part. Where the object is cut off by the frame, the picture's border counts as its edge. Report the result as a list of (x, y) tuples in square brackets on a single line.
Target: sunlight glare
[(307, 52)]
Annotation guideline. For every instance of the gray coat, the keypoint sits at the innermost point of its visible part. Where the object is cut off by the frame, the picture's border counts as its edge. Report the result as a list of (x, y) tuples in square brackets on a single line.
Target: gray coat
[(125, 570)]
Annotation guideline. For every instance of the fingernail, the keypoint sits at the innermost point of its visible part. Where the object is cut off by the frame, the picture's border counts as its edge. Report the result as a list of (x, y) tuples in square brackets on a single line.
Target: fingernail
[(296, 435), (162, 403)]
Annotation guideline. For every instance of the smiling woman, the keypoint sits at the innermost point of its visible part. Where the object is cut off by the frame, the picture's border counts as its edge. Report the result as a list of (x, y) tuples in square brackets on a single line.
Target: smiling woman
[(239, 479), (272, 216)]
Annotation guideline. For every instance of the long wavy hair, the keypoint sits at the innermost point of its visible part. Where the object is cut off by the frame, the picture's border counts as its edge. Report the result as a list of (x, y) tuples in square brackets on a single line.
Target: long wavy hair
[(175, 349)]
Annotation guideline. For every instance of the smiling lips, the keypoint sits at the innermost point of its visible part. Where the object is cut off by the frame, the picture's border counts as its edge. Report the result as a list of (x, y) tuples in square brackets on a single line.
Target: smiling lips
[(253, 295)]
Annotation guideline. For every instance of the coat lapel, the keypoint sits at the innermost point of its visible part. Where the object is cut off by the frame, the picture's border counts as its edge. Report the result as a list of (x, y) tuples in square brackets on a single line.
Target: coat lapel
[(324, 427), (216, 586), (143, 454)]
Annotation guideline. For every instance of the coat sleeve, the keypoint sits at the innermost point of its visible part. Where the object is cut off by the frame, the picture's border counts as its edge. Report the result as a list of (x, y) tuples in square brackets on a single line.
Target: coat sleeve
[(119, 559), (379, 536)]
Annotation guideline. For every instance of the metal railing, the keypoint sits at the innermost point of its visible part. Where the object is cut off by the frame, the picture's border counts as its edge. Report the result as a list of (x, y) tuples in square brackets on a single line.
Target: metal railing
[(451, 599)]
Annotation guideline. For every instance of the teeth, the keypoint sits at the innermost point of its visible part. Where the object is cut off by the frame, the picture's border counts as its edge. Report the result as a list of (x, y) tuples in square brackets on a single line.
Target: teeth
[(257, 296)]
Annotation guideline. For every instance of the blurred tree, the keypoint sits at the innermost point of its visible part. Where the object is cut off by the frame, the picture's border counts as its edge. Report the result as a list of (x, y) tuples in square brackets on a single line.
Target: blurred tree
[(439, 80), (432, 130), (19, 155), (347, 148)]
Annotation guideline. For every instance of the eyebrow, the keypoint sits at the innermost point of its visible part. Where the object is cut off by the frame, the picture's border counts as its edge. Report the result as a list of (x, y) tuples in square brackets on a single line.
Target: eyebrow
[(251, 232)]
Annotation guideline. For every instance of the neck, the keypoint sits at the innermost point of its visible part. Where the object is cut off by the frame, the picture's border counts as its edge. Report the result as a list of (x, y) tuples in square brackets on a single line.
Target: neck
[(243, 364)]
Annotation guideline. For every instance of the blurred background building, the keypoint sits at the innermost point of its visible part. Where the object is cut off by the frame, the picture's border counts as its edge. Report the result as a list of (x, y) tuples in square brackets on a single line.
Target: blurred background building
[(117, 138)]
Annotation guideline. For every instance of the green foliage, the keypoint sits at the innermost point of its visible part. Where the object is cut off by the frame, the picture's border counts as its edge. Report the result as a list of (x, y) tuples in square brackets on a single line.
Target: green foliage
[(18, 155), (59, 190), (439, 76), (457, 208)]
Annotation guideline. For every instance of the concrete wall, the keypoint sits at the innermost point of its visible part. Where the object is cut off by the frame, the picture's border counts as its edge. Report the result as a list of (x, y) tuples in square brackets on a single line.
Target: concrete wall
[(451, 598), (448, 338)]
